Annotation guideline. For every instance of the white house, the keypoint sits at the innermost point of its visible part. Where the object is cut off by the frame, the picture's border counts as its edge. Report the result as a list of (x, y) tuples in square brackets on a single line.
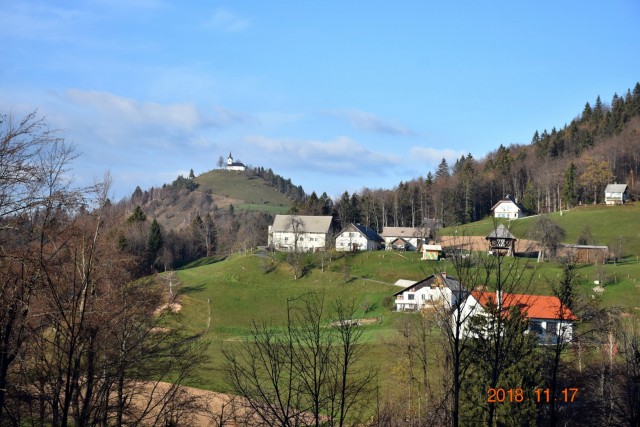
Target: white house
[(437, 289), (615, 194), (356, 237), (300, 233), (408, 238), (548, 318), (508, 208), (234, 166)]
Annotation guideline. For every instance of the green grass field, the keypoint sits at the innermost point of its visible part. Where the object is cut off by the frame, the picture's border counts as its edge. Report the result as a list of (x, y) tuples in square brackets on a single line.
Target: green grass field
[(238, 292), (614, 226), (255, 193)]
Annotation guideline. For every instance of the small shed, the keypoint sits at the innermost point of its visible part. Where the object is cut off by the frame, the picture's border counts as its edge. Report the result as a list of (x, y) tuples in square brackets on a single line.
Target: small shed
[(431, 252), (501, 241), (586, 254), (615, 194)]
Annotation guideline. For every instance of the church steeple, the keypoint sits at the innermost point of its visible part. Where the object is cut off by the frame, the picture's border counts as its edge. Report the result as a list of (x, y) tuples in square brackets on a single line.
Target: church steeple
[(230, 159)]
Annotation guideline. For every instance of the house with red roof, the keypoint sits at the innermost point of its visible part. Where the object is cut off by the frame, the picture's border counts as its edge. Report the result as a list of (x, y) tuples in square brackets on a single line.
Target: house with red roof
[(548, 318)]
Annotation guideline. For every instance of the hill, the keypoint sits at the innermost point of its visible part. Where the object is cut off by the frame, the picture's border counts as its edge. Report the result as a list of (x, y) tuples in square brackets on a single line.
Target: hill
[(245, 191)]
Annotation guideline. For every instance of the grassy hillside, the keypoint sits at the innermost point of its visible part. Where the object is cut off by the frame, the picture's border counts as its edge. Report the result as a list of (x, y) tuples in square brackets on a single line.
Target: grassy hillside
[(250, 193), (610, 225), (236, 292)]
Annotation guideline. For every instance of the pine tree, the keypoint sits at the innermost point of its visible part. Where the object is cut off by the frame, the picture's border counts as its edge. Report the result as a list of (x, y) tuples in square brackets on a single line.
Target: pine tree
[(155, 238), (137, 216), (569, 187), (443, 170)]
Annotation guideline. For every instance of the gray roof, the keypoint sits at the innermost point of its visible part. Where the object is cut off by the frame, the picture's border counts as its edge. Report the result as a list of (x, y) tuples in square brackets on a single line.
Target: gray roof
[(501, 232), (406, 232), (307, 223), (616, 188)]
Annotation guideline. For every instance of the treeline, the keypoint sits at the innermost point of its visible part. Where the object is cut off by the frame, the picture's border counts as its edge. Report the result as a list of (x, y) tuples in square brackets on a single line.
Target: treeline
[(284, 186), (82, 342), (558, 170)]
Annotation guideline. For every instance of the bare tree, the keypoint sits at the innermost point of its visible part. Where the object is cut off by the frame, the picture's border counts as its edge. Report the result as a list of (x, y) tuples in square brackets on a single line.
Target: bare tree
[(306, 373)]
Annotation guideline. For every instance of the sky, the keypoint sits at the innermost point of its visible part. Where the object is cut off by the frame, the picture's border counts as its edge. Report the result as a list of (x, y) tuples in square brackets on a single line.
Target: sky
[(335, 95)]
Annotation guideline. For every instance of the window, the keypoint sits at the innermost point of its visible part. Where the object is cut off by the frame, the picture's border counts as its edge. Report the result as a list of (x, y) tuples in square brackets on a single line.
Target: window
[(301, 238), (286, 239), (410, 296)]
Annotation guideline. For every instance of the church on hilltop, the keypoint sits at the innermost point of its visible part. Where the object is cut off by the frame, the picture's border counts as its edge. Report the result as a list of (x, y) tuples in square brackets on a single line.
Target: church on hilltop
[(234, 166)]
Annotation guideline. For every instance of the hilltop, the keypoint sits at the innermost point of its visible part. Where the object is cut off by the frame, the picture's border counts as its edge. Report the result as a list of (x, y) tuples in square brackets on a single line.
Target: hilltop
[(244, 190)]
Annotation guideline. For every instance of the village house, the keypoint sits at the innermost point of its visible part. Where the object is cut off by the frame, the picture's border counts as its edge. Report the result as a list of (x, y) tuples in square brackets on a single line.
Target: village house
[(508, 208), (615, 194), (301, 233), (404, 238), (356, 237), (548, 318), (437, 289)]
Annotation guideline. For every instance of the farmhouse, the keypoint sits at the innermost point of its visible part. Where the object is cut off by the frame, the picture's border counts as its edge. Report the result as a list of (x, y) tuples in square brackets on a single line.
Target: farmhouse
[(234, 166), (435, 289), (404, 238), (548, 318), (300, 233), (508, 208), (615, 194), (356, 237)]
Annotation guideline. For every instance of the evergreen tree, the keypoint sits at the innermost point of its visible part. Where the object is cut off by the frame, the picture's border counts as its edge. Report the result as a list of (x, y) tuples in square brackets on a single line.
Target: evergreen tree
[(155, 238), (443, 170), (137, 216), (569, 187), (191, 174)]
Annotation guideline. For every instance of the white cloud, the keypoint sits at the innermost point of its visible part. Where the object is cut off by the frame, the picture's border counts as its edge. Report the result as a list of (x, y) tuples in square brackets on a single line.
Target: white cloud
[(227, 21), (432, 156), (369, 122), (340, 155)]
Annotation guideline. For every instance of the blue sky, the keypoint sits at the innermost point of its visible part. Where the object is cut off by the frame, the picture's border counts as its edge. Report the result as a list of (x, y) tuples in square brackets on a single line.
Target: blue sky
[(334, 95)]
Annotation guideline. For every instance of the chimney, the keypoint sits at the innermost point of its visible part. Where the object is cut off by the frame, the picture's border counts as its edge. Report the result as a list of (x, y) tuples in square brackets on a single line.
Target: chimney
[(444, 274)]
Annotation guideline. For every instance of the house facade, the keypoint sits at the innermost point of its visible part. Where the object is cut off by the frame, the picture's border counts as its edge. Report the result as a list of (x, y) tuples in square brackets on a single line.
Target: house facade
[(301, 233), (437, 289), (356, 237), (234, 166), (615, 194), (508, 208), (403, 238), (547, 317)]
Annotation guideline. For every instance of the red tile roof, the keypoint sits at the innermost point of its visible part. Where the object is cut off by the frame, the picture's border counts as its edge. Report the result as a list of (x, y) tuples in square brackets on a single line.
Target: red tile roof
[(533, 306)]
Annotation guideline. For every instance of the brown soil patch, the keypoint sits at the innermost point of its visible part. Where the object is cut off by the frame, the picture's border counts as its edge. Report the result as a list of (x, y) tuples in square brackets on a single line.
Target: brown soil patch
[(174, 307), (479, 243)]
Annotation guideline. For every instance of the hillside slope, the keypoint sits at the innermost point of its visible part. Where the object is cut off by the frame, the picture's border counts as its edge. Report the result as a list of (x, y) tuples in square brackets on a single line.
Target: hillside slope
[(245, 192), (614, 226)]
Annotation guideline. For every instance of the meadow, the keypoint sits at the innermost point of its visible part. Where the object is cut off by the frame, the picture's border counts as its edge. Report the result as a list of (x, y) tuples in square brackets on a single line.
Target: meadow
[(222, 297)]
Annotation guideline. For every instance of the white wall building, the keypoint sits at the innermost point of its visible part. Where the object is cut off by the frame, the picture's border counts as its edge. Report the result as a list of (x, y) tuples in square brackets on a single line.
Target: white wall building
[(414, 237), (508, 208), (548, 319), (302, 233), (234, 166), (437, 289), (356, 237)]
